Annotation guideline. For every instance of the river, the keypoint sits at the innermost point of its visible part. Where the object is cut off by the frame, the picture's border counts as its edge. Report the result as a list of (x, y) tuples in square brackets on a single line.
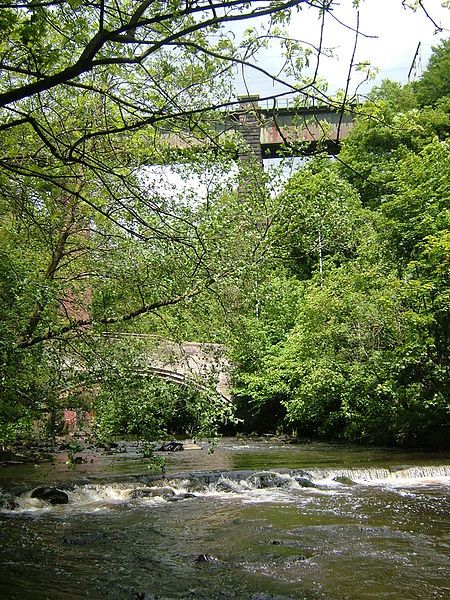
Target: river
[(256, 519)]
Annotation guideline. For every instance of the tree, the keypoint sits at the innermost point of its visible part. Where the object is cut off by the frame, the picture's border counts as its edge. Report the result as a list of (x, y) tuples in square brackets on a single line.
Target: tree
[(434, 85), (388, 128), (75, 73), (88, 93), (59, 252), (319, 217), (88, 96), (91, 95), (367, 357)]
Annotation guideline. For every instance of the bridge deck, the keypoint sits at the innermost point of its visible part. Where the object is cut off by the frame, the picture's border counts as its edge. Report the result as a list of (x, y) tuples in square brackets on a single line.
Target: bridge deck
[(287, 131), (291, 131)]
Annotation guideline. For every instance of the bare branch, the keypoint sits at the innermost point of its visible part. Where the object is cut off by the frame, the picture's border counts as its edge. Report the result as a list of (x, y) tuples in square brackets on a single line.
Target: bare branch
[(349, 76), (439, 28)]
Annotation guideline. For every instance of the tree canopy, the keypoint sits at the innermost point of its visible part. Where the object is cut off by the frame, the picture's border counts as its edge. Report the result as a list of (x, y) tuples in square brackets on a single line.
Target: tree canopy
[(364, 356), (435, 82), (92, 95), (95, 98)]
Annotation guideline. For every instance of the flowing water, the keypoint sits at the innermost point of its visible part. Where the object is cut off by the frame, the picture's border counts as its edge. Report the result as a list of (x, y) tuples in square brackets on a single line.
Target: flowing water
[(256, 519)]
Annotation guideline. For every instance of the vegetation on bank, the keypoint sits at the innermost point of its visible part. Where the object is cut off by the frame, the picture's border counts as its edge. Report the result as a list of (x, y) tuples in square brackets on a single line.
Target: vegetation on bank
[(364, 249), (331, 296)]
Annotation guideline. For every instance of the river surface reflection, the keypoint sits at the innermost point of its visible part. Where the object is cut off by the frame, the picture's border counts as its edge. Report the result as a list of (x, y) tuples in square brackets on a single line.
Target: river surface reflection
[(257, 519)]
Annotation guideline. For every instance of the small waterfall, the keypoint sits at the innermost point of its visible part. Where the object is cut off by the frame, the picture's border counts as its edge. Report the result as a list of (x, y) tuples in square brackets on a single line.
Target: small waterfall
[(261, 486), (382, 474), (418, 472)]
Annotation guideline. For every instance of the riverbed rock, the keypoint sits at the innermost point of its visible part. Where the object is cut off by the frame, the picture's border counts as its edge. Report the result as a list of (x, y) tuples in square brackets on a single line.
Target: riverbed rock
[(224, 486), (344, 480), (397, 468), (144, 596), (182, 496), (7, 457), (206, 558), (266, 479), (51, 495), (152, 492), (305, 482), (199, 480), (299, 473), (172, 446), (7, 502)]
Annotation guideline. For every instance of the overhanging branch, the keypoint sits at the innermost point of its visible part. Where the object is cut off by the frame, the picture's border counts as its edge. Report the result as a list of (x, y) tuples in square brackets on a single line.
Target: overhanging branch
[(81, 324), (89, 57)]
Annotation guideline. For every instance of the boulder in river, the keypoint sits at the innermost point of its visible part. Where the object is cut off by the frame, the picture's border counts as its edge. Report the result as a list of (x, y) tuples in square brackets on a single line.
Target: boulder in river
[(143, 596), (299, 473), (266, 479), (305, 482), (198, 480), (7, 502), (397, 468), (224, 486), (152, 492), (182, 496), (344, 480), (51, 495), (206, 558), (172, 446)]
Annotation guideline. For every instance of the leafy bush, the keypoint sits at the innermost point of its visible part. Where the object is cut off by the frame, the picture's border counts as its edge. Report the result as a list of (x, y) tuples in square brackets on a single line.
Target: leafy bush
[(150, 408)]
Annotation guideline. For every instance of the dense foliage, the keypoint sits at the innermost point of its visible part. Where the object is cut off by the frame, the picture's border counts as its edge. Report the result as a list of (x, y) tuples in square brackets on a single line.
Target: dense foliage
[(331, 297), (365, 355), (94, 97)]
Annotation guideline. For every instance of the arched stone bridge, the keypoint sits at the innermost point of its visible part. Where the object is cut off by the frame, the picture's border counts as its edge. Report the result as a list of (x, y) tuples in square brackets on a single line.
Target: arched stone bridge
[(202, 365)]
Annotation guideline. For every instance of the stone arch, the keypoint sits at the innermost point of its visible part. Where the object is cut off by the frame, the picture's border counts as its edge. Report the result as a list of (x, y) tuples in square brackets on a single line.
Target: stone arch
[(201, 365)]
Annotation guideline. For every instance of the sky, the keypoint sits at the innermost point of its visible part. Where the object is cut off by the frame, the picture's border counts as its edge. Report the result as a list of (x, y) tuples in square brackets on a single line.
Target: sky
[(398, 31)]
